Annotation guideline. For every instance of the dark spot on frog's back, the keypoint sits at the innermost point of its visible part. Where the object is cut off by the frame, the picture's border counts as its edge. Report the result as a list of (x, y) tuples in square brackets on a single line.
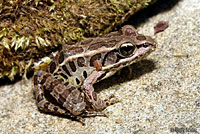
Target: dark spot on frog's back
[(66, 70), (72, 66), (84, 74), (52, 67), (64, 76), (66, 83), (77, 81), (61, 57), (81, 62)]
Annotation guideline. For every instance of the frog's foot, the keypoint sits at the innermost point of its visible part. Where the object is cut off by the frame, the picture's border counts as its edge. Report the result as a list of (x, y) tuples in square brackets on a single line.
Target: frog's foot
[(111, 100), (48, 107), (99, 105)]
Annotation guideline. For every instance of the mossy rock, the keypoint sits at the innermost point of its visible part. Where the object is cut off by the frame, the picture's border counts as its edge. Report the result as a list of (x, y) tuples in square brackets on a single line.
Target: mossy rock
[(31, 29)]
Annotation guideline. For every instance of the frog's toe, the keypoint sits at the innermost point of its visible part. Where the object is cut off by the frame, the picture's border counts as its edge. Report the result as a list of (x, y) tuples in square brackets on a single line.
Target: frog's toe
[(112, 100)]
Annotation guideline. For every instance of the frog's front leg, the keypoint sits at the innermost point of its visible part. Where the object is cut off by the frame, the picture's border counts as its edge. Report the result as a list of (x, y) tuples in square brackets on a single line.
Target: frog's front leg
[(91, 95)]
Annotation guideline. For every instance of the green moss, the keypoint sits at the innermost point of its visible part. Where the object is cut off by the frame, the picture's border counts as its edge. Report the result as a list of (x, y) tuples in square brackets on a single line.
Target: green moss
[(31, 29)]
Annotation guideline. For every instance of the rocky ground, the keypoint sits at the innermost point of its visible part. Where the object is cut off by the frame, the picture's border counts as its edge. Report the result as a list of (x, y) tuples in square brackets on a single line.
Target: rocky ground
[(163, 95)]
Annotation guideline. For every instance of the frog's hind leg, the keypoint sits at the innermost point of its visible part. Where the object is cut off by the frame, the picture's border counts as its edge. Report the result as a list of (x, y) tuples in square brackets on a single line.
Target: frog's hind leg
[(45, 105)]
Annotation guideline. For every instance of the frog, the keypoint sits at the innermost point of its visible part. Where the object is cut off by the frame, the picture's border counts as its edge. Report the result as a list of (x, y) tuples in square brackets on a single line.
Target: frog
[(66, 86)]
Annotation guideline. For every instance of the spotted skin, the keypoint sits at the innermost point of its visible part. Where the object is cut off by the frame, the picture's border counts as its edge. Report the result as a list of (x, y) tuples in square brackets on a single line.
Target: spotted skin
[(68, 101), (66, 87)]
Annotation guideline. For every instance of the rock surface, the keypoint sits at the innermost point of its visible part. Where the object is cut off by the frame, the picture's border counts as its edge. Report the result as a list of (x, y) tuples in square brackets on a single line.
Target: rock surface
[(162, 96)]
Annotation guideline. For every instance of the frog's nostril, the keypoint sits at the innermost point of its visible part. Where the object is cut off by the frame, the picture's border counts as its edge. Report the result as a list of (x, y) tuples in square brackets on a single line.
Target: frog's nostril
[(146, 44)]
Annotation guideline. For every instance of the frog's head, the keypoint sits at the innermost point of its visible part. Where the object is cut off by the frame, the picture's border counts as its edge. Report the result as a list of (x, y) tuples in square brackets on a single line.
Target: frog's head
[(131, 48)]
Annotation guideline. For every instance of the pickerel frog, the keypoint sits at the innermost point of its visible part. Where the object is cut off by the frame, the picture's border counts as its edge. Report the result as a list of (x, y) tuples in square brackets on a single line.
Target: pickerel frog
[(66, 87)]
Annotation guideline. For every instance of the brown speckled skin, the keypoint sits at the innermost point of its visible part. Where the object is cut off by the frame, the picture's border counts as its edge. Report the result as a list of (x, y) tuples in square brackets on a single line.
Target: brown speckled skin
[(66, 87)]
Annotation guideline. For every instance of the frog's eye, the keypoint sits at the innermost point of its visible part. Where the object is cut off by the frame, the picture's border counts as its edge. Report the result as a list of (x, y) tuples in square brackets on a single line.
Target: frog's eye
[(127, 49)]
